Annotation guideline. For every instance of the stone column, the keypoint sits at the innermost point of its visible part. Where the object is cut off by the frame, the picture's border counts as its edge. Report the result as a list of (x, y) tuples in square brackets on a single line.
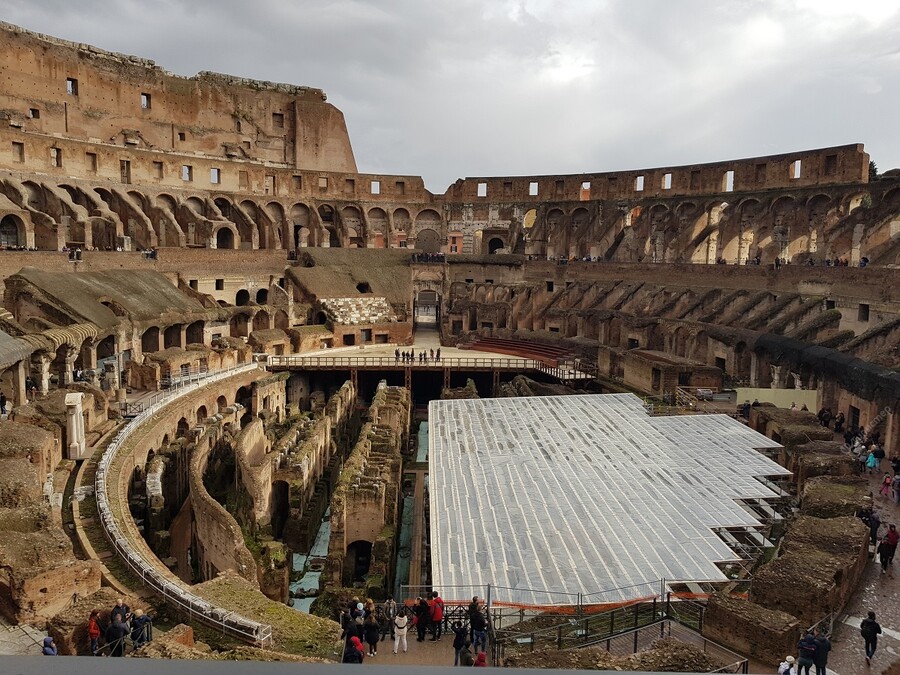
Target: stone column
[(75, 426), (67, 376), (18, 395), (40, 368), (754, 370)]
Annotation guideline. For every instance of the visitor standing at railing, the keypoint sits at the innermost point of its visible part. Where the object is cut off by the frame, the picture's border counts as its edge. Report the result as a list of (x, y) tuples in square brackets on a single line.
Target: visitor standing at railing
[(401, 627)]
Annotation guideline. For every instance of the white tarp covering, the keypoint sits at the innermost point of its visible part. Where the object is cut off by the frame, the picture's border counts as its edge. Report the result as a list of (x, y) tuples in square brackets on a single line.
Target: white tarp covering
[(582, 494)]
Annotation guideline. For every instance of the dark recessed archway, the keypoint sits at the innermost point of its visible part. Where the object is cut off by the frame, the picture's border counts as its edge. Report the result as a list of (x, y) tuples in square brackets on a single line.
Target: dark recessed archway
[(495, 244), (224, 238), (242, 298)]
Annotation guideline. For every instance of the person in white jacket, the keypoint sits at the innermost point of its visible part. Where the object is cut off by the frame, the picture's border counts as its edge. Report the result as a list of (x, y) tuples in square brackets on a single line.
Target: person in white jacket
[(401, 625), (787, 666)]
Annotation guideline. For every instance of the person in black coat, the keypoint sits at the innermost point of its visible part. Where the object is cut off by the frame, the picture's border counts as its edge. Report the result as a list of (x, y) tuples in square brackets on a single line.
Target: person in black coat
[(823, 646), (423, 617), (461, 636), (372, 631), (115, 637)]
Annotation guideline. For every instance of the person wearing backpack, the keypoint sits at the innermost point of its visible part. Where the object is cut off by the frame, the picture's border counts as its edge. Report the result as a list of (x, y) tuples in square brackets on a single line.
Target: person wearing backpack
[(870, 629), (437, 616), (806, 649)]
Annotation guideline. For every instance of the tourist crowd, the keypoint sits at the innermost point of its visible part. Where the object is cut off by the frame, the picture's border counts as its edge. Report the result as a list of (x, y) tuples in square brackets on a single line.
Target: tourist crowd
[(365, 624)]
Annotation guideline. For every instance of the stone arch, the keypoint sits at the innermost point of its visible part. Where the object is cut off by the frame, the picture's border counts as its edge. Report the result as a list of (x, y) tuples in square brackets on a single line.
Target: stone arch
[(357, 561), (379, 227), (275, 211), (401, 229), (197, 205), (195, 333), (261, 320), (150, 340), (221, 403), (238, 326), (281, 320), (328, 218), (202, 414), (166, 201), (12, 231), (428, 241), (352, 221), (262, 296), (183, 427), (172, 336), (427, 219), (226, 237), (300, 224), (555, 233), (817, 208), (242, 298), (494, 244)]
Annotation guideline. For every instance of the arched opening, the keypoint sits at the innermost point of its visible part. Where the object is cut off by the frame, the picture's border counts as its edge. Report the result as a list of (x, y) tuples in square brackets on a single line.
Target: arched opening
[(261, 321), (182, 428), (202, 414), (150, 340), (106, 348), (428, 241), (262, 296), (239, 325), (172, 336), (195, 333), (320, 318), (495, 244), (221, 403), (427, 308), (12, 232), (244, 397), (281, 507), (356, 564), (242, 298), (281, 320), (225, 238)]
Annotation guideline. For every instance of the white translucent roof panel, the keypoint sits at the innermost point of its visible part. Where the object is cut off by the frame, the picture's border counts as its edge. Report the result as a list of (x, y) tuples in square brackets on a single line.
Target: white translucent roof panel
[(585, 494)]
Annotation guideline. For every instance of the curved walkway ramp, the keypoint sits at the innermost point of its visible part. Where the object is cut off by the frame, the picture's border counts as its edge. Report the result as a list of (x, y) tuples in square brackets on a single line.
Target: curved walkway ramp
[(123, 534)]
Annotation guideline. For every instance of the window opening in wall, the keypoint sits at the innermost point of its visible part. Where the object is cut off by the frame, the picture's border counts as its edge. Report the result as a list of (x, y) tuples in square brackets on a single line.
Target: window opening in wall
[(323, 183), (830, 165), (549, 286), (297, 182), (639, 184), (612, 185), (560, 187), (90, 158), (349, 186), (667, 181), (278, 120), (193, 284), (470, 281), (269, 184), (124, 171), (728, 181), (215, 176), (633, 343), (695, 180), (760, 174), (187, 172), (482, 190), (281, 282), (363, 287), (181, 136), (488, 281), (34, 113), (400, 187), (533, 189), (863, 314), (585, 192), (145, 101), (18, 152), (244, 144), (243, 179), (796, 167), (55, 157), (829, 304), (158, 170), (375, 187), (220, 284), (72, 86), (507, 188)]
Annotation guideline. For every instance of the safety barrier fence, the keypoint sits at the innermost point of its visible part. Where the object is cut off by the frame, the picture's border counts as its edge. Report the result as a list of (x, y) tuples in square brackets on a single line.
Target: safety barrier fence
[(195, 607), (567, 370)]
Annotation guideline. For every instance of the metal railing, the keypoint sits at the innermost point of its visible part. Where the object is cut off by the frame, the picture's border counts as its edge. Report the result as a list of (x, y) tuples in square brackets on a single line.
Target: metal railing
[(563, 371), (196, 607)]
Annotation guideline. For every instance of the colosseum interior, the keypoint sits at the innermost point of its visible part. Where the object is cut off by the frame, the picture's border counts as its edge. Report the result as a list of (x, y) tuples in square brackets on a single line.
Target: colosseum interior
[(208, 411)]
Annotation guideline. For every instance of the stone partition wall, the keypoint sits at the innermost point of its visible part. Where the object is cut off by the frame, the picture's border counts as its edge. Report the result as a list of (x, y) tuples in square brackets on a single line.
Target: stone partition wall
[(217, 534), (254, 471), (748, 628), (365, 501), (305, 460)]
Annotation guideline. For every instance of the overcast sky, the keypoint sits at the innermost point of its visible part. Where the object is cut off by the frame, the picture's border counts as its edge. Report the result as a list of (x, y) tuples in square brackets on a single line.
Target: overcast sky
[(452, 88)]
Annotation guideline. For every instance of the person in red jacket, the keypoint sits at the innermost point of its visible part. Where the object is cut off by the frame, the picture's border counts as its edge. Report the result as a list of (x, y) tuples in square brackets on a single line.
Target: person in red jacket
[(94, 631), (437, 616)]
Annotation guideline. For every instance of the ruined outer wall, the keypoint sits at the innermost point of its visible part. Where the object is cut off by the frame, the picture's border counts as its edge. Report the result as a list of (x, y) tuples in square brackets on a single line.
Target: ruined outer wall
[(210, 113), (826, 166), (250, 450)]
